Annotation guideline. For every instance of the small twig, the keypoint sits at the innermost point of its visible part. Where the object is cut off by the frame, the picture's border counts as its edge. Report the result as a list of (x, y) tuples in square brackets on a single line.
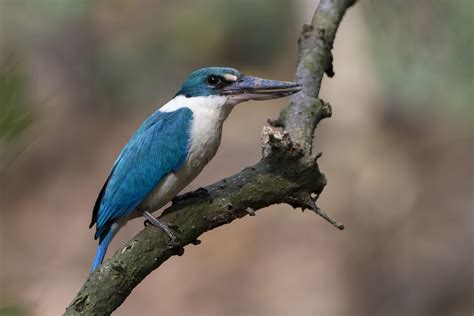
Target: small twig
[(327, 217), (307, 201)]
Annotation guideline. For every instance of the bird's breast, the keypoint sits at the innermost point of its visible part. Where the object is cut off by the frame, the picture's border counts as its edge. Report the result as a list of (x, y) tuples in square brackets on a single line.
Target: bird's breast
[(205, 138)]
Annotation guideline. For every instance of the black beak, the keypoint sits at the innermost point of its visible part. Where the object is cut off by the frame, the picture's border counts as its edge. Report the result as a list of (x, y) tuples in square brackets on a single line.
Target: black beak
[(252, 88)]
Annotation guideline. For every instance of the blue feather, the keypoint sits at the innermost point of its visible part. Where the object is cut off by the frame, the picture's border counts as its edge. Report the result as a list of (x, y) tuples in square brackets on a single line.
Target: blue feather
[(160, 146), (103, 245)]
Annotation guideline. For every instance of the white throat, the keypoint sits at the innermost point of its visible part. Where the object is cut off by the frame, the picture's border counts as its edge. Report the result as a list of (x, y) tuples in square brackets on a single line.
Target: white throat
[(209, 114), (214, 107)]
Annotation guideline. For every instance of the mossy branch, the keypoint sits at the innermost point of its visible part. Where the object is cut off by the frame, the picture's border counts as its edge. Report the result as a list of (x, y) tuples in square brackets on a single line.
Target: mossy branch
[(287, 173)]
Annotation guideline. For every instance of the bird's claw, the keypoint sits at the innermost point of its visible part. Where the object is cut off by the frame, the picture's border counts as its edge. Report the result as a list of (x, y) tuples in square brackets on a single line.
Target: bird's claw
[(175, 243)]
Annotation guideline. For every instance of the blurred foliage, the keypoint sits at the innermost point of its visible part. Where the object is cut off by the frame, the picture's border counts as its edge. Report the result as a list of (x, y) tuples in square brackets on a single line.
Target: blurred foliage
[(13, 310), (157, 50), (118, 53), (423, 52), (15, 108)]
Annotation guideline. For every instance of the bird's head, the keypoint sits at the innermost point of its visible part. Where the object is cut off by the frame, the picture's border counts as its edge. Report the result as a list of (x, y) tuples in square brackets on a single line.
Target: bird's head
[(235, 86)]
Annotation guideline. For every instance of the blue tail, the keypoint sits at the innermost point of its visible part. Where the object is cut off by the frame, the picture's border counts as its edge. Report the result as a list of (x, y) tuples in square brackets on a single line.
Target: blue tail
[(103, 245)]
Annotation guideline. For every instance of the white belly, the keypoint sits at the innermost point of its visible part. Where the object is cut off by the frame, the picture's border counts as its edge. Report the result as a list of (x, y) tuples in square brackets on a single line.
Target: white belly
[(206, 130), (173, 183)]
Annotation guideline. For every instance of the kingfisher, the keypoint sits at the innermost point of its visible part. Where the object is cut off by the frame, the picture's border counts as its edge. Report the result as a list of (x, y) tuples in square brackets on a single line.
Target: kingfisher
[(171, 148)]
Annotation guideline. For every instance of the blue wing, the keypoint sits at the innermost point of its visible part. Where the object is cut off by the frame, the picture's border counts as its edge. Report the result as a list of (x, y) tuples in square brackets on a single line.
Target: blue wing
[(158, 147)]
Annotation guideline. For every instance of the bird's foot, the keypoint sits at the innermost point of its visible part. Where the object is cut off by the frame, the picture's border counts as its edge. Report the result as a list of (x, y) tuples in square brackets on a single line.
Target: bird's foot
[(201, 192), (174, 242), (172, 226), (165, 228)]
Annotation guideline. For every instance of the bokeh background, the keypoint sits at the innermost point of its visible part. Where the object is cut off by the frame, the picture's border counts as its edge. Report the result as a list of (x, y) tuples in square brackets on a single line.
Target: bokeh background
[(77, 78)]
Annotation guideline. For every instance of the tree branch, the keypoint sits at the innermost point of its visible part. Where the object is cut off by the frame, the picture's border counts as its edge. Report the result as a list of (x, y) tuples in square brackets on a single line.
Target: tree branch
[(301, 116), (287, 173)]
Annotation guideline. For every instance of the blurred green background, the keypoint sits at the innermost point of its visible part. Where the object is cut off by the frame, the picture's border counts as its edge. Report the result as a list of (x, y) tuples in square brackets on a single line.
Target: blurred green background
[(77, 78)]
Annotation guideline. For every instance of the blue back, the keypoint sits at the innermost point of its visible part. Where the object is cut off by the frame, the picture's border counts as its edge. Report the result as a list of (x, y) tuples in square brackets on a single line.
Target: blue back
[(158, 147)]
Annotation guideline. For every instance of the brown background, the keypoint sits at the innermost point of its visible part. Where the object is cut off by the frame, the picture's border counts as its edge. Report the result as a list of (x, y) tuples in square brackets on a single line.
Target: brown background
[(398, 156)]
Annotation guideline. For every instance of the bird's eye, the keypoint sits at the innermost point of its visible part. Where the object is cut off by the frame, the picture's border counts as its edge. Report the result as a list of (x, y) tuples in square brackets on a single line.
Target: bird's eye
[(213, 80)]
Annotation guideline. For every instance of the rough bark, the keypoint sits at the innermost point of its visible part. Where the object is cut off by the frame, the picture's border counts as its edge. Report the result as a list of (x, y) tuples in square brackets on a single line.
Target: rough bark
[(287, 173)]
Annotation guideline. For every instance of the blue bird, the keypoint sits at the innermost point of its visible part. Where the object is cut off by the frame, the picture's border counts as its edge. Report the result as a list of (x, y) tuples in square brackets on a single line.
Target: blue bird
[(172, 146)]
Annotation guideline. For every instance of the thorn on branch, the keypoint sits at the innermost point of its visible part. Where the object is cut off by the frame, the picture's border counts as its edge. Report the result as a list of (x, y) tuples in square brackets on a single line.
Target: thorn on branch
[(327, 217), (196, 242), (250, 211), (314, 159), (306, 201), (326, 109)]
